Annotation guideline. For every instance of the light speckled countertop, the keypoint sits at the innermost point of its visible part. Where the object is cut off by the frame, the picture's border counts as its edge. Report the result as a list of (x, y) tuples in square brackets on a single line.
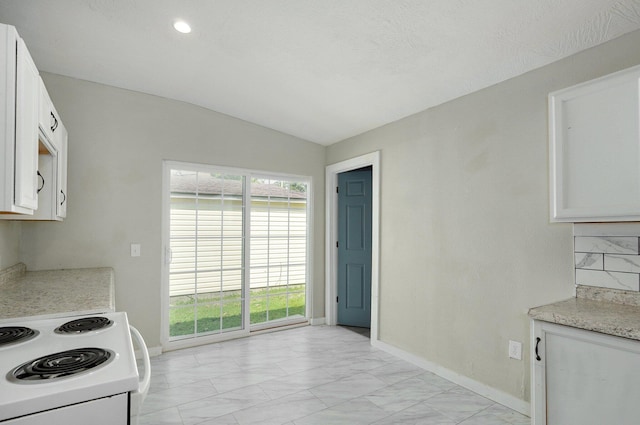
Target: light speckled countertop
[(601, 310), (54, 293)]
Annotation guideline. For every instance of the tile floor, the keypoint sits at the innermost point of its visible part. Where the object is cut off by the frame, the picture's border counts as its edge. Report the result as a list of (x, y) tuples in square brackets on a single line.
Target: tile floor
[(315, 375)]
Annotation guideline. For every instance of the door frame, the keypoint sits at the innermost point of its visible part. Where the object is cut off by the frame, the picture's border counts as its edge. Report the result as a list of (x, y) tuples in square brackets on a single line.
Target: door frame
[(331, 236)]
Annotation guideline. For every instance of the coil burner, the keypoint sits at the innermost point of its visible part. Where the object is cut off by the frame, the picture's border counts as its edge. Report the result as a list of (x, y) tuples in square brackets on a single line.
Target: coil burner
[(85, 324), (14, 334), (61, 365)]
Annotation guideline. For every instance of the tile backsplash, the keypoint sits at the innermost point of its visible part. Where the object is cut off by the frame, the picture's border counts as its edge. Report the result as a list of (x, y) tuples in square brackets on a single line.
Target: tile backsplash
[(607, 255)]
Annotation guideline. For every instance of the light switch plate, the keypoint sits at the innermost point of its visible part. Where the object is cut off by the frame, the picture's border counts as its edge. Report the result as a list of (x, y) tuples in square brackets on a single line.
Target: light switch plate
[(515, 350), (135, 249)]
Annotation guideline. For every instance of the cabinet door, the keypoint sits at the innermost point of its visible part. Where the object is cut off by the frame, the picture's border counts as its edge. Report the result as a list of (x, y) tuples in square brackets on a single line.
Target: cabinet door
[(49, 120), (7, 115), (595, 149), (26, 143), (589, 378), (44, 115), (61, 170)]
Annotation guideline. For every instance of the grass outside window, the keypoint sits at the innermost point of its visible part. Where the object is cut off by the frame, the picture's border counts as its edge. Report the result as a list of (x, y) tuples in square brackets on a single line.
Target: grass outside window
[(222, 311)]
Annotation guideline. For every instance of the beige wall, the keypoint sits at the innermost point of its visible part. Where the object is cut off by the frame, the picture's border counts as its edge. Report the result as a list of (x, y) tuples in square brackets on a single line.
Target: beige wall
[(9, 244), (117, 141), (466, 244)]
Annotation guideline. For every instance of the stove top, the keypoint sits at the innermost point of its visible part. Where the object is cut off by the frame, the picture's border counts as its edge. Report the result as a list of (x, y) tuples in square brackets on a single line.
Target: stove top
[(64, 361)]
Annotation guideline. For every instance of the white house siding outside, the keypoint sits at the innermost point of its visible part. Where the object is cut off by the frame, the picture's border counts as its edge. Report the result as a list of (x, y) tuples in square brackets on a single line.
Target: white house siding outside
[(278, 243), (214, 226)]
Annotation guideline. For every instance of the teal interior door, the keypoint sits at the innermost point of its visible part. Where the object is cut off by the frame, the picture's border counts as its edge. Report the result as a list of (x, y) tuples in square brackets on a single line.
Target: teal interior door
[(354, 248)]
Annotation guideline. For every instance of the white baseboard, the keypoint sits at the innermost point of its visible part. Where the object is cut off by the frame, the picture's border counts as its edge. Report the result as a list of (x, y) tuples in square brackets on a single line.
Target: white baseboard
[(317, 321), (155, 351), (498, 396)]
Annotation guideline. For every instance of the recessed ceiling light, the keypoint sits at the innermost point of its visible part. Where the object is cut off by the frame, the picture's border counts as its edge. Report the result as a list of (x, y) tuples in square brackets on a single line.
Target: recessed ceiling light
[(182, 26)]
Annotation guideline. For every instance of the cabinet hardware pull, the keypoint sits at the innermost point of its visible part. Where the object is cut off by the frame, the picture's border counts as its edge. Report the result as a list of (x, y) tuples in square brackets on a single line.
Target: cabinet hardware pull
[(538, 358), (40, 188), (63, 199), (55, 122)]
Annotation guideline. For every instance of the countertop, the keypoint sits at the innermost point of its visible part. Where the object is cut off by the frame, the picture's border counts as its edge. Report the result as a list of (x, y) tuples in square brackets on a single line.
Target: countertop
[(55, 293), (606, 311)]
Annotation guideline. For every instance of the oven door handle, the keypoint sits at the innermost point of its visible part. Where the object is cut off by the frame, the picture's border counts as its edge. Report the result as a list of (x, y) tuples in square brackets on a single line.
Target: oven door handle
[(143, 386)]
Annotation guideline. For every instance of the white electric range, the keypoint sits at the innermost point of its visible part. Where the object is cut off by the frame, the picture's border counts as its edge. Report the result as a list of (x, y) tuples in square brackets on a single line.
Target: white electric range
[(71, 370)]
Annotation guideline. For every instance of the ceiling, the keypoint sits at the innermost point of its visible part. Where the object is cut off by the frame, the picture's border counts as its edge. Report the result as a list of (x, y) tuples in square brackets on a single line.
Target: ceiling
[(322, 70)]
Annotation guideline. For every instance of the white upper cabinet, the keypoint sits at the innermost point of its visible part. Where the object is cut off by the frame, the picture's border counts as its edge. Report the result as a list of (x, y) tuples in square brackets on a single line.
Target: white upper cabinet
[(33, 140), (52, 164), (594, 134), (19, 104)]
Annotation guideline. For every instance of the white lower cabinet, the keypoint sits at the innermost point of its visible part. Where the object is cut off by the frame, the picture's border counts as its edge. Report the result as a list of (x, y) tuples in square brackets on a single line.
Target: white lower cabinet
[(583, 377)]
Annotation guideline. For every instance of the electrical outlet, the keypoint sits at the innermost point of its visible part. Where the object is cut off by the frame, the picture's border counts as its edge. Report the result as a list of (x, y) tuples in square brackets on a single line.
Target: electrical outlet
[(515, 350), (135, 249)]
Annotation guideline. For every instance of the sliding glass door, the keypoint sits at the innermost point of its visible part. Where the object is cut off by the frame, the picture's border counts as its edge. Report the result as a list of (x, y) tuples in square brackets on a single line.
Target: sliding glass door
[(236, 250)]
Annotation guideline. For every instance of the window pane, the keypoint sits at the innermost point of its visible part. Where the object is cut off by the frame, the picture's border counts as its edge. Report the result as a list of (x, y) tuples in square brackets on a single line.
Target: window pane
[(208, 317), (206, 241), (232, 315), (259, 306), (297, 304), (278, 307), (278, 249), (181, 320)]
